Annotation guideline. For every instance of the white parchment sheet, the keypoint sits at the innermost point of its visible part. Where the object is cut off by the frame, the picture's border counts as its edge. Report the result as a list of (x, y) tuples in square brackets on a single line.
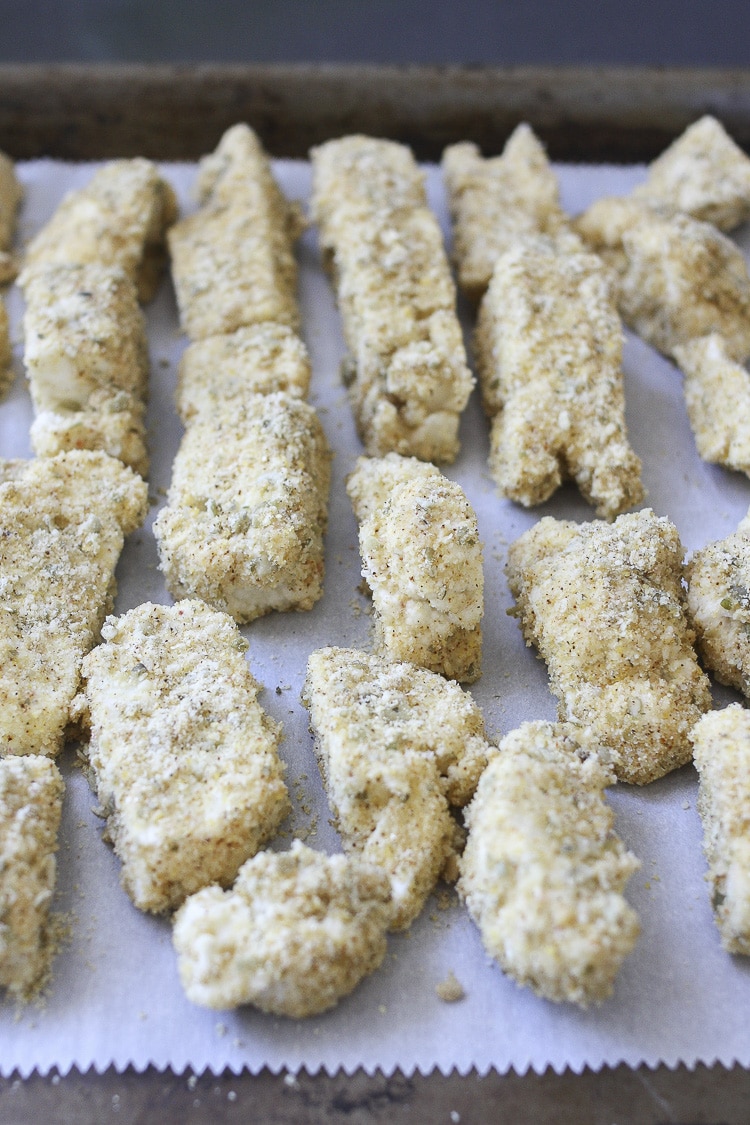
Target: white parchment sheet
[(115, 996)]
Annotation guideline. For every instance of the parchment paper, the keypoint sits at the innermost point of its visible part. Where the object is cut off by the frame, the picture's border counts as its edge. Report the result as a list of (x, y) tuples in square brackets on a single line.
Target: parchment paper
[(115, 998)]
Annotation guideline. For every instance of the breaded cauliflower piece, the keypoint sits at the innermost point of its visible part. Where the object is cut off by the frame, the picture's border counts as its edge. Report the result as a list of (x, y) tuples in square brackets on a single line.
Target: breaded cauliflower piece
[(718, 601), (247, 508), (257, 359), (86, 358), (118, 219), (548, 346), (422, 561), (7, 374), (498, 200), (604, 605), (62, 524), (232, 261), (298, 931), (397, 746), (703, 173), (543, 872), (407, 372), (717, 396), (721, 752), (678, 278), (182, 757), (31, 793), (11, 194)]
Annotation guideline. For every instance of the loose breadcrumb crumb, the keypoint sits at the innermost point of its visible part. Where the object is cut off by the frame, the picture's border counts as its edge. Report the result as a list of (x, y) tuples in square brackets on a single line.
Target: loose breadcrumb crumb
[(407, 372), (721, 742), (396, 746), (719, 606), (496, 201), (183, 758), (450, 990), (62, 525), (298, 931), (422, 561), (543, 871), (548, 346), (31, 792), (605, 607)]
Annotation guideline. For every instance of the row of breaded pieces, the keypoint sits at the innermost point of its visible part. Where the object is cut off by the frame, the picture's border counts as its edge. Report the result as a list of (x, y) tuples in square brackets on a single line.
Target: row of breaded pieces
[(62, 525), (86, 358), (543, 872), (422, 561), (182, 757), (497, 201), (548, 346), (247, 506), (721, 752), (31, 793), (397, 747), (232, 261), (407, 372), (604, 605)]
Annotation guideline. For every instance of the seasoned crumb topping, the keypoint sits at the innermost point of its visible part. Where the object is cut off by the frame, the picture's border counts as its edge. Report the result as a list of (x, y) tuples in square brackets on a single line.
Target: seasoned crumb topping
[(408, 376), (396, 746), (422, 561), (496, 201), (548, 345), (721, 742), (247, 508), (543, 872), (31, 792), (183, 759), (298, 931), (62, 523), (604, 605)]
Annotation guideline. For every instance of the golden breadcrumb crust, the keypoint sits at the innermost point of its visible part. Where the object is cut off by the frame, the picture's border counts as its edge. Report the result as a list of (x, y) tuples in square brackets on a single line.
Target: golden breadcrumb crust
[(397, 746), (232, 261), (721, 752), (298, 931), (407, 372), (605, 607), (543, 872), (11, 194), (62, 524), (183, 758), (548, 346), (118, 219), (422, 561), (31, 793)]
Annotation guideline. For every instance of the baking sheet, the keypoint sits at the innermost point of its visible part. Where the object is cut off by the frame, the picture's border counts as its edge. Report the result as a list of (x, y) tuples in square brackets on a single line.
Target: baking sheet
[(115, 997)]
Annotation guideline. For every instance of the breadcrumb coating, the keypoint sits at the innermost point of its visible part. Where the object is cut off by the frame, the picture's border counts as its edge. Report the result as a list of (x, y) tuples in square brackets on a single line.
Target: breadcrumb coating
[(247, 508), (11, 194), (397, 746), (62, 524), (298, 931), (548, 346), (717, 396), (232, 261), (183, 759), (604, 605), (718, 602), (543, 872), (86, 358), (257, 359), (407, 372), (496, 201), (422, 561), (679, 278), (31, 793), (703, 173), (721, 752), (7, 374), (118, 219)]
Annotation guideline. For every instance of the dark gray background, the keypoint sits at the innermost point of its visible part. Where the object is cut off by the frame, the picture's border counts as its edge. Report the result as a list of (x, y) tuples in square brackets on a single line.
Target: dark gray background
[(499, 32)]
